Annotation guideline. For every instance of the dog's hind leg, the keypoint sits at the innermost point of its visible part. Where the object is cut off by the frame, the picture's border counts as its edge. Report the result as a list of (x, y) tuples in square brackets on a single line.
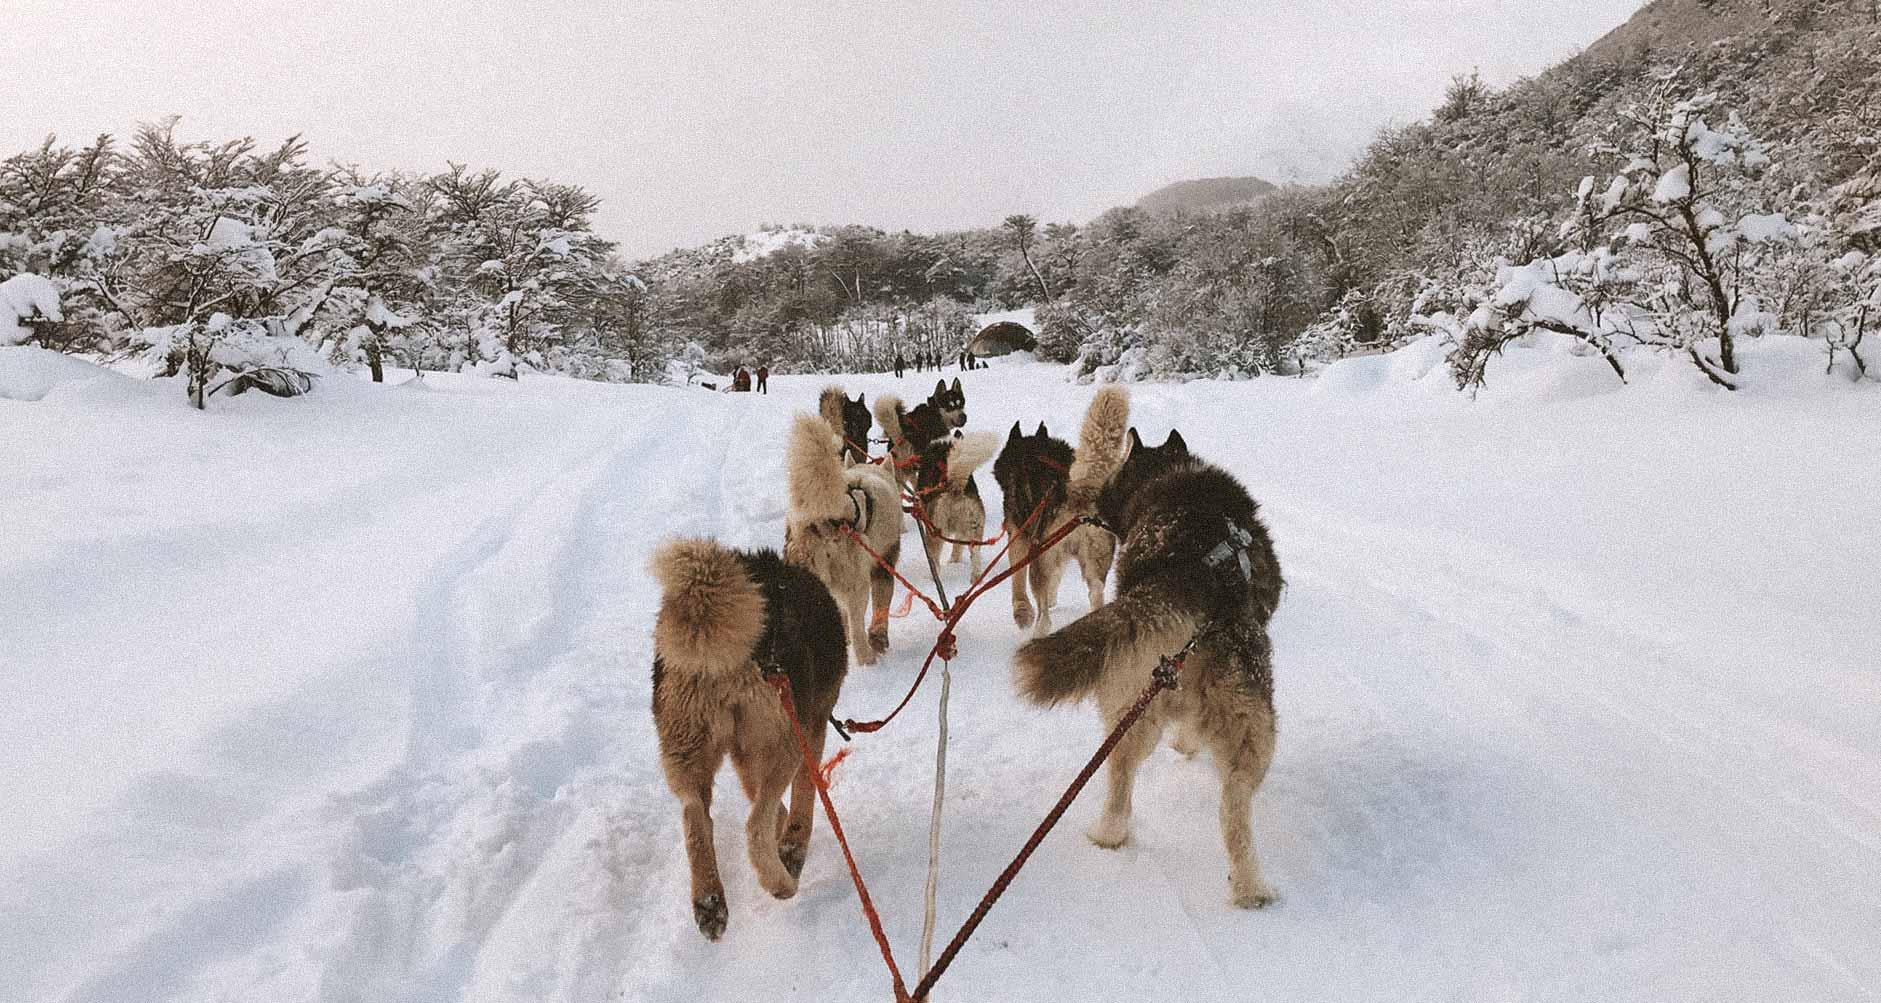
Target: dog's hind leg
[(881, 596), (1021, 606), (1113, 827), (1047, 572), (708, 892), (794, 844), (855, 619), (1094, 561), (765, 780), (973, 556), (1242, 762)]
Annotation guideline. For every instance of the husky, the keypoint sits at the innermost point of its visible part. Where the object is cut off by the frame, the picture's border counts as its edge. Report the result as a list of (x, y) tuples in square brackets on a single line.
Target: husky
[(1038, 469), (1195, 564), (723, 613), (933, 420), (939, 471), (824, 497), (849, 419)]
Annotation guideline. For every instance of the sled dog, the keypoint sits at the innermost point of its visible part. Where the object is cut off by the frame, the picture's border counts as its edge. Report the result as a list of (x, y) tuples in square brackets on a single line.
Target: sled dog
[(1194, 558), (1038, 469), (722, 614), (939, 470), (848, 419), (823, 498)]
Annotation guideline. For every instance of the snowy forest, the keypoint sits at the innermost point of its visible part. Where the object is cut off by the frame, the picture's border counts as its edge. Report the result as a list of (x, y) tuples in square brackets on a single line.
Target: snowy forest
[(1645, 195)]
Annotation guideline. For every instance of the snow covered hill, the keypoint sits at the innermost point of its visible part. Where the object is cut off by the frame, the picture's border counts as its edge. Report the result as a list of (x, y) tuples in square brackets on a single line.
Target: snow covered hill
[(345, 698)]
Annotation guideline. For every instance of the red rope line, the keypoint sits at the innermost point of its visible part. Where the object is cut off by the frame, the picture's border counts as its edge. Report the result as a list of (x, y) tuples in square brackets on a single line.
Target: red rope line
[(939, 614), (785, 697), (1163, 678), (944, 644)]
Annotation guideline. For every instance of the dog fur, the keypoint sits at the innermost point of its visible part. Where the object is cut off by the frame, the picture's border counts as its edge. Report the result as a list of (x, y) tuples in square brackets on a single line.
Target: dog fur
[(939, 468), (721, 613), (849, 419), (1038, 468), (1194, 556), (823, 497)]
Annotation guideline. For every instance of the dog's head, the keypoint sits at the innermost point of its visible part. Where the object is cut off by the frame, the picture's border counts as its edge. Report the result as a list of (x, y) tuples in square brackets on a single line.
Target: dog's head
[(951, 402), (856, 423), (1037, 460), (1141, 465)]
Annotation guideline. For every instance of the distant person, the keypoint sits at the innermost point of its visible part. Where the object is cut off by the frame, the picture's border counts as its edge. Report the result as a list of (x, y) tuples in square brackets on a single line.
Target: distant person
[(741, 381), (764, 379), (900, 364)]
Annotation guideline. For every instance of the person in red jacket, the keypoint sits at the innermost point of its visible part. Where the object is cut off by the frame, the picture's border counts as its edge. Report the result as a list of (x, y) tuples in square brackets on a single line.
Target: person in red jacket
[(764, 377)]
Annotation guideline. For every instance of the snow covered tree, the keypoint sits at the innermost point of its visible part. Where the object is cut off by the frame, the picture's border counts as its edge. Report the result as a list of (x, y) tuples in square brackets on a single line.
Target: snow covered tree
[(1669, 253)]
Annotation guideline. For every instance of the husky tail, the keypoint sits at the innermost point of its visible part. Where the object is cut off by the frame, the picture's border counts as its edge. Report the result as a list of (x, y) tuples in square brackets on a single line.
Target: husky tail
[(818, 488), (830, 406), (889, 412), (711, 612), (969, 453), (1125, 636), (1100, 444)]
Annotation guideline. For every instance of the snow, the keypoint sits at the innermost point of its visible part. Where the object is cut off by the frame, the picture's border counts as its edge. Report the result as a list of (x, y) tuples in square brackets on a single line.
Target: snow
[(765, 243), (344, 697), (1674, 185), (26, 297)]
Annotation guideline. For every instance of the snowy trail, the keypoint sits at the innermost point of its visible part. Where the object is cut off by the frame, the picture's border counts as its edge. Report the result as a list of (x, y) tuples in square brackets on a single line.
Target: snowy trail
[(1544, 733)]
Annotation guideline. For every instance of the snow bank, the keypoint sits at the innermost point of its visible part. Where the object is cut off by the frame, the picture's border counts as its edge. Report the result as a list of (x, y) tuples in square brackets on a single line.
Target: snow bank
[(30, 373)]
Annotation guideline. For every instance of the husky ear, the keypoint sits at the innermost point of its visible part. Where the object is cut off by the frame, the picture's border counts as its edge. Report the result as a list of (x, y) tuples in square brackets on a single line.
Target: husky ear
[(1041, 433), (956, 384), (859, 398), (1132, 444), (940, 387), (1175, 442), (1016, 433)]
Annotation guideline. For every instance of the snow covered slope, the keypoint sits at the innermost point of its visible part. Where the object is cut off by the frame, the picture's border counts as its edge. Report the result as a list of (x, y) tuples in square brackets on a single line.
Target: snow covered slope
[(344, 698)]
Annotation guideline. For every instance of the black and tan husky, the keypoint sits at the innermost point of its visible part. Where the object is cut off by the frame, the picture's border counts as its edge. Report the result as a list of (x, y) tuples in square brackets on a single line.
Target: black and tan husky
[(938, 467), (723, 612), (1194, 558), (848, 419), (1037, 470)]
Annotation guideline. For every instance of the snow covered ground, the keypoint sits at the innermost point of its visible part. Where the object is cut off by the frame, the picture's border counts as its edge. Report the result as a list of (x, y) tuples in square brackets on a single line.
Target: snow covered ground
[(344, 698)]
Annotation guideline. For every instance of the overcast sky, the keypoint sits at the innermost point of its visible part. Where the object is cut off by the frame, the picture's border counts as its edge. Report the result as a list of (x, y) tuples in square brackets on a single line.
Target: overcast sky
[(695, 120)]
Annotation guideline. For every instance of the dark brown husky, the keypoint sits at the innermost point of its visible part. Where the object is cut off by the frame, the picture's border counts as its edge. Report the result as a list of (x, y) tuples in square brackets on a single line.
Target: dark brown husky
[(722, 614), (1195, 563)]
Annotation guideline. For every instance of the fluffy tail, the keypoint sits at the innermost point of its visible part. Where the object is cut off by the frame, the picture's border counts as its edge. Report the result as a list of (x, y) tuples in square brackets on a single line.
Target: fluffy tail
[(711, 612), (829, 404), (1100, 444), (1125, 636), (969, 453), (818, 489), (888, 414)]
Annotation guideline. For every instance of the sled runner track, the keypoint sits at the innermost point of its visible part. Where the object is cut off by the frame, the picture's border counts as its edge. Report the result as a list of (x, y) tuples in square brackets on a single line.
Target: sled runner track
[(478, 811)]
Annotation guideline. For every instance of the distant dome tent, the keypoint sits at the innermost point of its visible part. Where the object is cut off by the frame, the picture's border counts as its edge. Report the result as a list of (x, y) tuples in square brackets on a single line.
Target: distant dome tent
[(1002, 338)]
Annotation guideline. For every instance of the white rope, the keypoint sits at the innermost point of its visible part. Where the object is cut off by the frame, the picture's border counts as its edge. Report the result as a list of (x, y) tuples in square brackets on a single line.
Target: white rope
[(934, 824)]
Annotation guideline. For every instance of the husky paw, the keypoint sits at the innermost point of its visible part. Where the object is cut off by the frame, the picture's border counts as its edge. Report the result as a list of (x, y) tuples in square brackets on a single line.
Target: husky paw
[(792, 855), (1022, 615), (1109, 835), (878, 640), (865, 654), (781, 889), (711, 915), (1258, 897)]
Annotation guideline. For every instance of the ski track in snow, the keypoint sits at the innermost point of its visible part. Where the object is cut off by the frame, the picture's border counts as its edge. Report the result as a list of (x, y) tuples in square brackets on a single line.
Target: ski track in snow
[(1502, 772)]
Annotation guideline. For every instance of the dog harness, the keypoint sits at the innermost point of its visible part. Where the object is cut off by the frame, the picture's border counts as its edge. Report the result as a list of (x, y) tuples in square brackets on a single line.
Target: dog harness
[(860, 499), (1233, 549)]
